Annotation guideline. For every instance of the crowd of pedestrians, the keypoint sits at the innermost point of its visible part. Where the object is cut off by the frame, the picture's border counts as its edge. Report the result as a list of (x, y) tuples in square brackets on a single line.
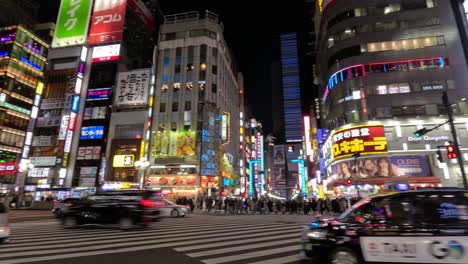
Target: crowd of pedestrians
[(265, 205)]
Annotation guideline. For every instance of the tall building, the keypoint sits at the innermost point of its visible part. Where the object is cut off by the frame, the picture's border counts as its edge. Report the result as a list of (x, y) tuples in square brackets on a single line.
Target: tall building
[(291, 81), (195, 136), (383, 66), (18, 12), (83, 137), (23, 60)]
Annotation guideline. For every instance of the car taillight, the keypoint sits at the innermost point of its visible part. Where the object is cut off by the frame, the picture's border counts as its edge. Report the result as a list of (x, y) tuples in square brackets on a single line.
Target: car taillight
[(3, 230), (55, 204), (147, 203)]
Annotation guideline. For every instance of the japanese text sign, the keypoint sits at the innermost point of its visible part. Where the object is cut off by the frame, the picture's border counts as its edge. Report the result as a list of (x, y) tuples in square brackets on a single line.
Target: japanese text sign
[(132, 88), (72, 23), (106, 53), (366, 139), (123, 161), (108, 21)]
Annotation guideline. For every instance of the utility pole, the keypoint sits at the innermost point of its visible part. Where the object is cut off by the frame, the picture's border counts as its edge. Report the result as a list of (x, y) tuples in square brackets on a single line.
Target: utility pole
[(455, 138)]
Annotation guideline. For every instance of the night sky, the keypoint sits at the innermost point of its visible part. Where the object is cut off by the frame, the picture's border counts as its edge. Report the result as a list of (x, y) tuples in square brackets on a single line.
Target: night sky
[(252, 31)]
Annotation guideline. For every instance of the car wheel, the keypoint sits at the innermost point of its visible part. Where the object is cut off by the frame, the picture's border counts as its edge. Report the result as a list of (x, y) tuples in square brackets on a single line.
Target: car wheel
[(125, 223), (344, 255), (70, 222), (175, 213)]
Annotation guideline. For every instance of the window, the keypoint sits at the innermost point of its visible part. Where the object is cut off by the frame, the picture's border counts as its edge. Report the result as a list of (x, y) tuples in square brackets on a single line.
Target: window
[(188, 106), (175, 107), (129, 131), (189, 86), (162, 107), (170, 36), (176, 87), (360, 12), (174, 126), (358, 213), (214, 88), (214, 69), (164, 88), (439, 209)]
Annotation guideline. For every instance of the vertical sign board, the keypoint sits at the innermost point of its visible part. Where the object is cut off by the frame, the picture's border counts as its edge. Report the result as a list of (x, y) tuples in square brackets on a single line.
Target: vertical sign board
[(132, 88), (107, 21), (72, 23)]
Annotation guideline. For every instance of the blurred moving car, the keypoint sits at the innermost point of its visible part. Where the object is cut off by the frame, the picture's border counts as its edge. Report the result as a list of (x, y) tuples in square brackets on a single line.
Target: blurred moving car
[(124, 209), (409, 227), (61, 206), (4, 230), (168, 208)]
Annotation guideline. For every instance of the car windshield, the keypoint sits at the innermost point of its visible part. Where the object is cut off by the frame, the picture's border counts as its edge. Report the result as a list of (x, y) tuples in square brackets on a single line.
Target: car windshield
[(353, 209)]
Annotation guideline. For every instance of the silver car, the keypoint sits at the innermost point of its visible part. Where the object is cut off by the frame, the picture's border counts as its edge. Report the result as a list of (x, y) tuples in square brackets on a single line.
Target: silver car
[(4, 230), (168, 208)]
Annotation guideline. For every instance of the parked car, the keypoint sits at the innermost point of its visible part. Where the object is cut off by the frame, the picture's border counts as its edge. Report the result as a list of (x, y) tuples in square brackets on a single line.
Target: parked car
[(61, 206), (168, 208), (122, 210), (4, 230), (409, 227)]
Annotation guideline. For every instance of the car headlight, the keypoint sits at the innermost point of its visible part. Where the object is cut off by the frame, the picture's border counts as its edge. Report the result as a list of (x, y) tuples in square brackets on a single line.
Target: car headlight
[(317, 235)]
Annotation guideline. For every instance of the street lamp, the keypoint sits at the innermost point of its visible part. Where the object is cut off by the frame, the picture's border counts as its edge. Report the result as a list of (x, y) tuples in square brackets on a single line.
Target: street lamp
[(141, 165)]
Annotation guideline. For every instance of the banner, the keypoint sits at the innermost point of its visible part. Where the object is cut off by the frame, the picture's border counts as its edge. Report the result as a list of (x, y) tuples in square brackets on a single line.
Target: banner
[(132, 88), (173, 181), (72, 23), (278, 152), (108, 21), (396, 166)]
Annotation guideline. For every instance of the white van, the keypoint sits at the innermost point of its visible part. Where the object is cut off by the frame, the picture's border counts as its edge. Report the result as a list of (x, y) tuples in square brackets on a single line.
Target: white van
[(4, 230)]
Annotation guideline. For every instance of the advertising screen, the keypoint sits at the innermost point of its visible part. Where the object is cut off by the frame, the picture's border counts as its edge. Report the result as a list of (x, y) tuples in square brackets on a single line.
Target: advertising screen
[(72, 23), (108, 21), (106, 53), (99, 94)]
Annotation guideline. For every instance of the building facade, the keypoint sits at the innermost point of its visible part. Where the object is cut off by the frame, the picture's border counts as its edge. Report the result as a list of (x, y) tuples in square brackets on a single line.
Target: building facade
[(23, 60), (195, 135), (386, 64)]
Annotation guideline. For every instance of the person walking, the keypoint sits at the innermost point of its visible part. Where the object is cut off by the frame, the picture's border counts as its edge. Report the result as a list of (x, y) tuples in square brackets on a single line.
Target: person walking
[(191, 204)]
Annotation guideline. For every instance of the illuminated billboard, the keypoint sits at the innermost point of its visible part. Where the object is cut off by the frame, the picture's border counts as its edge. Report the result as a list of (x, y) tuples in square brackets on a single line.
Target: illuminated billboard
[(108, 21), (362, 139), (92, 132), (132, 87), (72, 23), (123, 161), (106, 53), (98, 94)]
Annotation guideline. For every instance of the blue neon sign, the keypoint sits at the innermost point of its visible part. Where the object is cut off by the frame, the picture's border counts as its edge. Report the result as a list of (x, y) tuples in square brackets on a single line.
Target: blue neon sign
[(75, 103)]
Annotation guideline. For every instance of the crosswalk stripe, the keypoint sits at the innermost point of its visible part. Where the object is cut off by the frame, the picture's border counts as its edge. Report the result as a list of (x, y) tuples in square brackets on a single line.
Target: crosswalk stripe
[(282, 260), (119, 250), (234, 242), (240, 248), (84, 245), (67, 233), (169, 234), (249, 255)]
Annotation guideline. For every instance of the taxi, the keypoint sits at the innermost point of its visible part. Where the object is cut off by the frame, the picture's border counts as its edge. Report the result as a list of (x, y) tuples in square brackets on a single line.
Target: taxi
[(429, 226)]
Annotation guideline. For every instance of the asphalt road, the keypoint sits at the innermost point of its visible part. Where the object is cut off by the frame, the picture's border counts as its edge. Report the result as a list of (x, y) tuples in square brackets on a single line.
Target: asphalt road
[(208, 239)]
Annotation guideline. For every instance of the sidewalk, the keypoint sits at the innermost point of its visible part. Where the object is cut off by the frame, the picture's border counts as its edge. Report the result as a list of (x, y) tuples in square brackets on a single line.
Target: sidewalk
[(29, 215)]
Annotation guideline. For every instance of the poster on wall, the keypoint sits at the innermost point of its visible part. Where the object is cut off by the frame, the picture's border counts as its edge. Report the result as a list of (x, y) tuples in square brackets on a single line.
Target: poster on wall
[(170, 144), (278, 153), (107, 21), (132, 88), (395, 166), (174, 181), (72, 23)]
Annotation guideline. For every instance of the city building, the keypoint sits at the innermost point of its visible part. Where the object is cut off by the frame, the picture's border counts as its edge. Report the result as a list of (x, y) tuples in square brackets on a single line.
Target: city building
[(99, 77), (23, 60), (195, 135), (383, 66)]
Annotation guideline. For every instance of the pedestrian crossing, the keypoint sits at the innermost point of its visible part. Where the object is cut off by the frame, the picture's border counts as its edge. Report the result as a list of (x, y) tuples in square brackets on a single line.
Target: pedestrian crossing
[(207, 239)]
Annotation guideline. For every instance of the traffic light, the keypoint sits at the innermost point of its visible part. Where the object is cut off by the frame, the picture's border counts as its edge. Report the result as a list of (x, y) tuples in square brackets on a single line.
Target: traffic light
[(439, 156), (451, 154), (349, 182), (421, 132)]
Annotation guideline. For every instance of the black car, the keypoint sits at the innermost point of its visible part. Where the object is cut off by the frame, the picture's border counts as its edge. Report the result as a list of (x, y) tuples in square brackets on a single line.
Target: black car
[(428, 226), (122, 209)]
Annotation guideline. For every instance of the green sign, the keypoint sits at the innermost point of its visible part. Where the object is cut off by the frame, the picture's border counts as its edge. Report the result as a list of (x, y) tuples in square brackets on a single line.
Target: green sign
[(72, 23)]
